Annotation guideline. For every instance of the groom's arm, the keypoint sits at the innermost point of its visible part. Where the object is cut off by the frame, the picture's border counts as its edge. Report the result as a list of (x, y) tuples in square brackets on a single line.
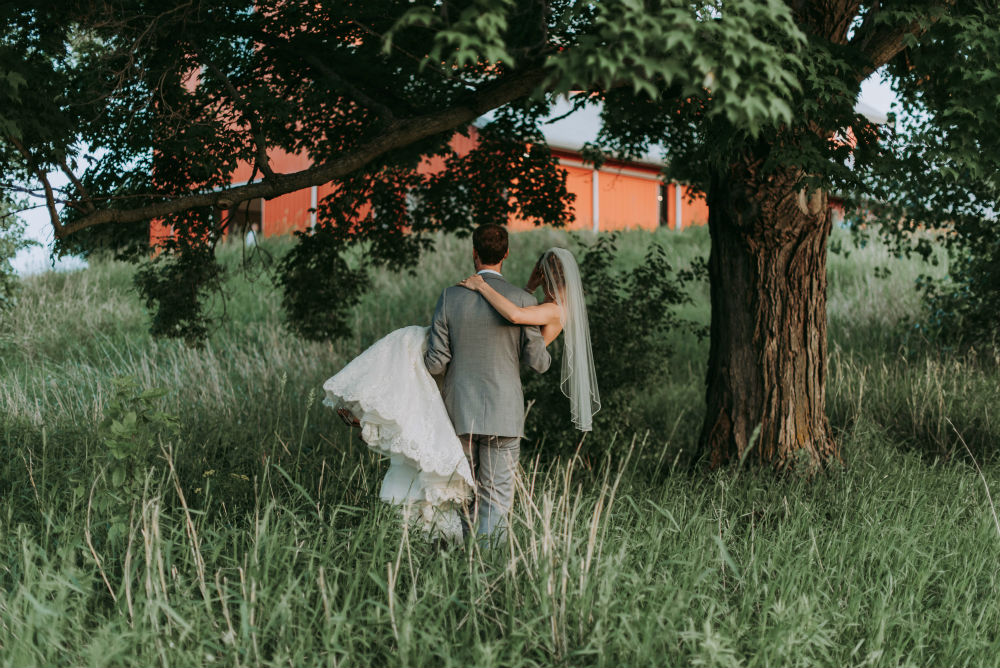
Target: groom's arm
[(533, 350), (438, 344)]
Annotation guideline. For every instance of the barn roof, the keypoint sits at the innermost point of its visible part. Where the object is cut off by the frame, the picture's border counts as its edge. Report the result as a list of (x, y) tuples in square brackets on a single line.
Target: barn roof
[(570, 130)]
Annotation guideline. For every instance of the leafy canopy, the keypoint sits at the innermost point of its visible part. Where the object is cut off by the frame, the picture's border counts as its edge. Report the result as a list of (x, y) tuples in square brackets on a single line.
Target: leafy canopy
[(149, 107)]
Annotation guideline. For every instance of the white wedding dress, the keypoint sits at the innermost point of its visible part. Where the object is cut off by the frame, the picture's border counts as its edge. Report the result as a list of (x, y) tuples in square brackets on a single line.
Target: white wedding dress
[(402, 415)]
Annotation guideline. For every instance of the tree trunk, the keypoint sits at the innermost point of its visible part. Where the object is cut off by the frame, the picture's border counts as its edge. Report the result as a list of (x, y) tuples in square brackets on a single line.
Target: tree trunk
[(767, 363)]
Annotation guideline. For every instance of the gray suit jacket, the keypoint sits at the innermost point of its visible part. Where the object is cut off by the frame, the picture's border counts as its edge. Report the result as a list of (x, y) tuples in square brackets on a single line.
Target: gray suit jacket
[(480, 354)]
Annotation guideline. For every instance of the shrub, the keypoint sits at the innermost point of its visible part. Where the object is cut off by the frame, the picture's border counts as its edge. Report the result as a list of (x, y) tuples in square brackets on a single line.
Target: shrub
[(131, 433), (963, 310), (11, 241)]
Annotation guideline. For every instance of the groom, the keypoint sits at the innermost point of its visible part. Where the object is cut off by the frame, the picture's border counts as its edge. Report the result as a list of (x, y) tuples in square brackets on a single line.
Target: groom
[(480, 354)]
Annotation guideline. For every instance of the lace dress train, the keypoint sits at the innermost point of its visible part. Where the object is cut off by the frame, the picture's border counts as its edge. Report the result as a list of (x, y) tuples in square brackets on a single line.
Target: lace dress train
[(402, 416)]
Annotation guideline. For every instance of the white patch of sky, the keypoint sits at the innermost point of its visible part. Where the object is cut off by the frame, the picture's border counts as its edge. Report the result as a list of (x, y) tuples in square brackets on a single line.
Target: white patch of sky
[(876, 93), (39, 258)]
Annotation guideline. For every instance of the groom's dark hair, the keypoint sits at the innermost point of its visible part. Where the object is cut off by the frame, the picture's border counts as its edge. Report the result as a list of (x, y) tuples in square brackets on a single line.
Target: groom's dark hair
[(490, 242)]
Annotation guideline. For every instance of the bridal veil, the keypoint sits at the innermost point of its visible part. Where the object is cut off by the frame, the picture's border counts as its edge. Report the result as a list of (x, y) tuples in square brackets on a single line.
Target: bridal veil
[(579, 380)]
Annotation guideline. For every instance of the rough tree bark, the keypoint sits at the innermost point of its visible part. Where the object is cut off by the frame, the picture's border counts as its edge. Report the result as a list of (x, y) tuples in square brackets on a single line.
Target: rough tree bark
[(767, 361)]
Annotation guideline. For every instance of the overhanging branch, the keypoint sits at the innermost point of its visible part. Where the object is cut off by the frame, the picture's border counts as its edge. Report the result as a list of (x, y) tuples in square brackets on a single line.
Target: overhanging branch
[(50, 199), (382, 110), (396, 135), (883, 42), (259, 140)]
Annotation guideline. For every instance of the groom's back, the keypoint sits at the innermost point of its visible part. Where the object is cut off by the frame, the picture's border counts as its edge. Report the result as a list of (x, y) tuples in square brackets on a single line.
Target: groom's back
[(482, 354)]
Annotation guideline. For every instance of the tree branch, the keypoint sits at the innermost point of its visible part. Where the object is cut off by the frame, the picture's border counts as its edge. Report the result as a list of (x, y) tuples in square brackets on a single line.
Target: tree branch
[(76, 182), (50, 199), (867, 27), (381, 109), (882, 43), (398, 134), (259, 140)]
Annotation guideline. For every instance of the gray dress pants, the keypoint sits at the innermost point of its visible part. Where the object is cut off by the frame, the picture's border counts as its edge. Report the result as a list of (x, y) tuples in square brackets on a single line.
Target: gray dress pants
[(494, 463)]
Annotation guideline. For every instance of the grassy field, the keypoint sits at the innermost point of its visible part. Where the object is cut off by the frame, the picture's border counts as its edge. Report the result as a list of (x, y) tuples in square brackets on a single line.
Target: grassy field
[(250, 533)]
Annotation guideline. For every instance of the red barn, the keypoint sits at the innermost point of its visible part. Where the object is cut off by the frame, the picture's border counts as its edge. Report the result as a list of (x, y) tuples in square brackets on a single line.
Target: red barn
[(618, 196)]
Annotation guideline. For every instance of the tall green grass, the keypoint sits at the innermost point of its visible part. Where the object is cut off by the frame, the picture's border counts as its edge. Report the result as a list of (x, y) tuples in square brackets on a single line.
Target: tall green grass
[(253, 536)]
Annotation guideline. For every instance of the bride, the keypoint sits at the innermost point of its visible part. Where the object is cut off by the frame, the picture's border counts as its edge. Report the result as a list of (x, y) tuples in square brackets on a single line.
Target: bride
[(388, 392)]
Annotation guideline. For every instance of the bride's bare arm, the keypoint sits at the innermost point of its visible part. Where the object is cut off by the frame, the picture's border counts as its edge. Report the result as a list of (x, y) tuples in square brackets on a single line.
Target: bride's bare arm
[(551, 331), (541, 314)]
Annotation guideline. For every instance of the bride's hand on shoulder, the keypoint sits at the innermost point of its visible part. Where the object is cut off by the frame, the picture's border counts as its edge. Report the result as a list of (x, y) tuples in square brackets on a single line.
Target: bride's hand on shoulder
[(474, 283)]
